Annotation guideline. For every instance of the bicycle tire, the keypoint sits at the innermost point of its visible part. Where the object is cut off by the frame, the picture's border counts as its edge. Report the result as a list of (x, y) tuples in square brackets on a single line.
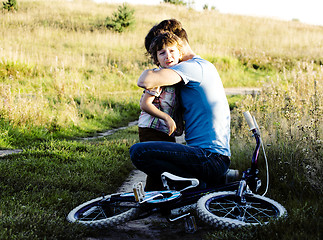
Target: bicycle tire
[(93, 214), (222, 210)]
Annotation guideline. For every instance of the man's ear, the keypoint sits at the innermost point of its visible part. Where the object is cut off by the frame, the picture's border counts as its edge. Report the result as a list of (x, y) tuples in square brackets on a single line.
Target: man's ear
[(180, 56)]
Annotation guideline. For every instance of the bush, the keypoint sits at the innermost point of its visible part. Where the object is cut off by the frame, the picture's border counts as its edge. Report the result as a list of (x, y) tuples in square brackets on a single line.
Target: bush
[(10, 5), (121, 19)]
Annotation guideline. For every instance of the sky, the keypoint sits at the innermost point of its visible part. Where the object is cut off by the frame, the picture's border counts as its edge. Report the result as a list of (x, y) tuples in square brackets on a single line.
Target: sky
[(306, 11)]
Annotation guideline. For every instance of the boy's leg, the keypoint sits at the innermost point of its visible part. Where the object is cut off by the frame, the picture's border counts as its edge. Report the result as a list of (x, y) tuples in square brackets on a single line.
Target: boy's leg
[(150, 134)]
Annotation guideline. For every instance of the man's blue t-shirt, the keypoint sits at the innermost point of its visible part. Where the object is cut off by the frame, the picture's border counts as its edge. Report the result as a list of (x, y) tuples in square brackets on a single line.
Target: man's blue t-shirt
[(206, 109)]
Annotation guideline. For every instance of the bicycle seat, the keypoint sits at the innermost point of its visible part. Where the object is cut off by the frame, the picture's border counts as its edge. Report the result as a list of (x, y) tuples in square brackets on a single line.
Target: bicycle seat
[(173, 182)]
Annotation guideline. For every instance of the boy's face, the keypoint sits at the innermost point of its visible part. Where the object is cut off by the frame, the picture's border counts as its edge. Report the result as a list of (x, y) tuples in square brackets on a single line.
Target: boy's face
[(168, 56)]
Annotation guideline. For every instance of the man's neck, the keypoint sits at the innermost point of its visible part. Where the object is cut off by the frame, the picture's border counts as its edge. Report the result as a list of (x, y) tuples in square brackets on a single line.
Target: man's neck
[(188, 56), (188, 53)]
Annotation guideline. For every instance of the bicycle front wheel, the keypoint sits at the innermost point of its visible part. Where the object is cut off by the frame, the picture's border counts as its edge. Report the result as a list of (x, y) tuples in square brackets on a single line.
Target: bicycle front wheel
[(102, 212), (222, 209)]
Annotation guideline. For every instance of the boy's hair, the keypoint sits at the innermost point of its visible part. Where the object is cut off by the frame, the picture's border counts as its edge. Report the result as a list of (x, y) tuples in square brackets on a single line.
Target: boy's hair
[(163, 40), (169, 25)]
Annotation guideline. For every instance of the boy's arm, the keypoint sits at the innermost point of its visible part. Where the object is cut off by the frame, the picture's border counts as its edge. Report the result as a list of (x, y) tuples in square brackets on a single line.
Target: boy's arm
[(146, 104), (152, 78)]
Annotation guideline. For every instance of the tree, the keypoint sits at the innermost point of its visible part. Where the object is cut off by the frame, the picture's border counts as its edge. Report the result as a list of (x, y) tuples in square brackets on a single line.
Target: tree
[(121, 19), (176, 2), (10, 5)]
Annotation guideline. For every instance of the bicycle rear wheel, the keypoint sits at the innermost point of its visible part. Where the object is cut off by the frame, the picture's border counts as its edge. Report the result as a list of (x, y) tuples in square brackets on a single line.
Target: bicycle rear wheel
[(103, 212), (222, 209)]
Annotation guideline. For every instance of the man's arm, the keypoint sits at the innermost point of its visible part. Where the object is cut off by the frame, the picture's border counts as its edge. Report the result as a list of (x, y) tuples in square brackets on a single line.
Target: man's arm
[(163, 77)]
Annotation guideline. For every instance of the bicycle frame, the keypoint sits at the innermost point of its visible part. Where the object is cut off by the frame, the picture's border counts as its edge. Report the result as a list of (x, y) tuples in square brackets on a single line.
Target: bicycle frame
[(249, 180)]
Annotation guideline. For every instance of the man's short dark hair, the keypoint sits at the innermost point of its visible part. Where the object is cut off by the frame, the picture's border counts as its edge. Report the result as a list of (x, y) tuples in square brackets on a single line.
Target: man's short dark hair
[(169, 25)]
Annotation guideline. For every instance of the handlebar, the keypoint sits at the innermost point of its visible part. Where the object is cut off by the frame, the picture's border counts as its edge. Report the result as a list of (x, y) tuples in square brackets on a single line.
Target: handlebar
[(252, 123), (249, 120)]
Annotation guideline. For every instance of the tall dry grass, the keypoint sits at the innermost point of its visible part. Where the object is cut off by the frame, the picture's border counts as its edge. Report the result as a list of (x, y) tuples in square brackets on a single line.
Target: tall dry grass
[(42, 31), (59, 65), (291, 121)]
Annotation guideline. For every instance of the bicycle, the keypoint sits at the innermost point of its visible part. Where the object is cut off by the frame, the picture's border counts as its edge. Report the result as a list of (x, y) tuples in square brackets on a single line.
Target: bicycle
[(226, 205)]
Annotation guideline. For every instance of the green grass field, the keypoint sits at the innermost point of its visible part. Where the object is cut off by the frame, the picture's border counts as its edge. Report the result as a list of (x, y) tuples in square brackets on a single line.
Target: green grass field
[(63, 76)]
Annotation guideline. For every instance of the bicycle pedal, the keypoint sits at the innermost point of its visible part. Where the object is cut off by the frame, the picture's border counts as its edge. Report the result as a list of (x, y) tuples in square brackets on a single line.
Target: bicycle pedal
[(139, 192), (232, 175), (190, 224)]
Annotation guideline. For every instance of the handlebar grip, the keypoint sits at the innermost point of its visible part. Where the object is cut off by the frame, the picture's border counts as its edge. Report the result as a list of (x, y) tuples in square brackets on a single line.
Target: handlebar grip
[(249, 120)]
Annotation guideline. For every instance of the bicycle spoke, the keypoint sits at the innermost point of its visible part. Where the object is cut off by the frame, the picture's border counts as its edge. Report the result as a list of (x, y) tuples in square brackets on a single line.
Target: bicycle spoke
[(253, 212), (263, 211), (226, 208), (91, 212), (102, 212), (256, 214), (99, 213), (251, 216), (220, 207)]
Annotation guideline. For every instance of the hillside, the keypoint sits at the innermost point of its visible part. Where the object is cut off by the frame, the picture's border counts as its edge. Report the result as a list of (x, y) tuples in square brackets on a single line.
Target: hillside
[(59, 52), (65, 77)]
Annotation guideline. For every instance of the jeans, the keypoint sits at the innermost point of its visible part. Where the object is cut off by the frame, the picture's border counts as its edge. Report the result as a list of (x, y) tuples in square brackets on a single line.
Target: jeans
[(154, 158)]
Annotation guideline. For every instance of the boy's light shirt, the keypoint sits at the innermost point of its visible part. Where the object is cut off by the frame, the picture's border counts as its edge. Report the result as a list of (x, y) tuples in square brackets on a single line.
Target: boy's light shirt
[(154, 91), (165, 100)]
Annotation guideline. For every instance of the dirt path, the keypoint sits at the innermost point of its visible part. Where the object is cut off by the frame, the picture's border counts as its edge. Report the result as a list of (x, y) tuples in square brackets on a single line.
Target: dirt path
[(7, 152), (242, 91)]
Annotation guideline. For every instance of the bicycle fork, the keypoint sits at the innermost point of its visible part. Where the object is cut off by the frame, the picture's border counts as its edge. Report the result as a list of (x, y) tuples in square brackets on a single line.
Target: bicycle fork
[(239, 194), (253, 180)]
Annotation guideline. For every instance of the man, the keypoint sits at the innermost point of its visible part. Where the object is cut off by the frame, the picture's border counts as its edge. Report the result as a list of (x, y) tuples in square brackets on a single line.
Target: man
[(206, 116)]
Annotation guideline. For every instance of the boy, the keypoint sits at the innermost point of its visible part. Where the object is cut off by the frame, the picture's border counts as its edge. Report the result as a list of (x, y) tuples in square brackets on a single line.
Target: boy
[(157, 121)]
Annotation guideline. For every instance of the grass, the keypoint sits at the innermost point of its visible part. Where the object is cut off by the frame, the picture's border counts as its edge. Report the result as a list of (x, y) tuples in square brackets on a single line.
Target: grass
[(64, 76), (43, 183), (60, 60), (290, 120)]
